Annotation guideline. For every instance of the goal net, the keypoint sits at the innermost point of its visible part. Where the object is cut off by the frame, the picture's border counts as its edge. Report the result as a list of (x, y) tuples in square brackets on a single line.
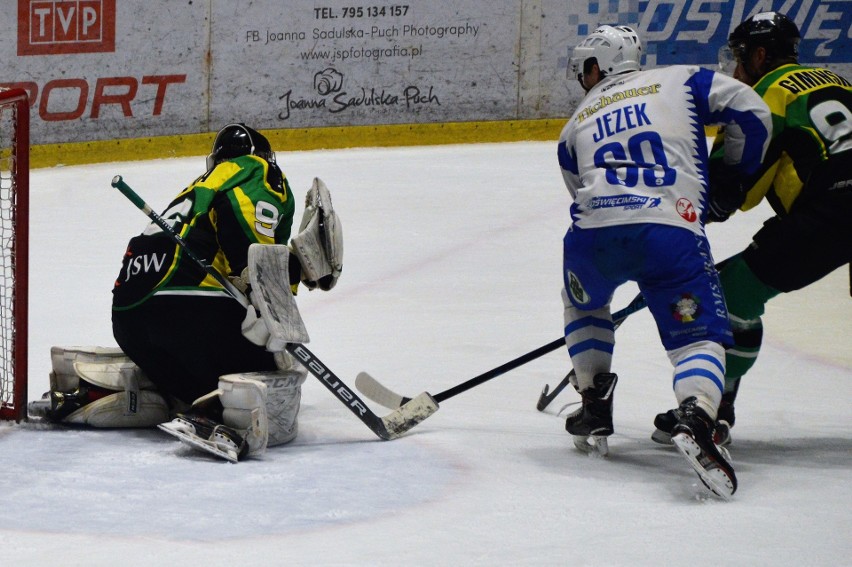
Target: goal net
[(14, 203)]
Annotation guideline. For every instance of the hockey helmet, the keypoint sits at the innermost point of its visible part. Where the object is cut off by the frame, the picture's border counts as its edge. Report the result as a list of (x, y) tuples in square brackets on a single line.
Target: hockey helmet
[(773, 31), (237, 139), (616, 49)]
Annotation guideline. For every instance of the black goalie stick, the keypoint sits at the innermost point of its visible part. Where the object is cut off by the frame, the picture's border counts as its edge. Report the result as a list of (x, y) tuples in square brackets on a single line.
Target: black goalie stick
[(381, 394), (388, 427)]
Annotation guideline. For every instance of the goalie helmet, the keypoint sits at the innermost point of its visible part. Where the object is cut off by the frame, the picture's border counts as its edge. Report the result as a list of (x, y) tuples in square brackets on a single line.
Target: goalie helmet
[(615, 49), (773, 31), (235, 140)]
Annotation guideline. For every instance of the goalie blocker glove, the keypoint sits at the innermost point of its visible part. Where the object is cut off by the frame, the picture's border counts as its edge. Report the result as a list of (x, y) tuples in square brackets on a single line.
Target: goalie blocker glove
[(319, 244)]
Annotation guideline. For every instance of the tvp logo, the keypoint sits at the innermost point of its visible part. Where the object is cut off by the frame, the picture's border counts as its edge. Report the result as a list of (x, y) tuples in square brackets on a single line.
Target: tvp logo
[(54, 27)]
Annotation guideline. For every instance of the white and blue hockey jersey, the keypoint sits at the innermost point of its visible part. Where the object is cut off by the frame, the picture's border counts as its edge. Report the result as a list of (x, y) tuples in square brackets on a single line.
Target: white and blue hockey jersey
[(635, 150)]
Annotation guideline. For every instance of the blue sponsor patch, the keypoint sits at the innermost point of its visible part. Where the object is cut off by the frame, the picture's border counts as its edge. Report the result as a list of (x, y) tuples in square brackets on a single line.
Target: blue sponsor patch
[(624, 201)]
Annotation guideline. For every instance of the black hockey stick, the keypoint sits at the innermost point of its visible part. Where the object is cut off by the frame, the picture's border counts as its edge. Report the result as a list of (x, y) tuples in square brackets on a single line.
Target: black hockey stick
[(618, 318), (381, 394), (391, 426)]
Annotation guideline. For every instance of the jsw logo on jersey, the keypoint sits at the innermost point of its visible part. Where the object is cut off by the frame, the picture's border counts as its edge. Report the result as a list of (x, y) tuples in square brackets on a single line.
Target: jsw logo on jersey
[(145, 263)]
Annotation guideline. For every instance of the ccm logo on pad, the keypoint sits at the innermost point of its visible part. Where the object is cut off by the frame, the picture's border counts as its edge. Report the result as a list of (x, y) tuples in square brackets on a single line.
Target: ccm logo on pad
[(54, 27)]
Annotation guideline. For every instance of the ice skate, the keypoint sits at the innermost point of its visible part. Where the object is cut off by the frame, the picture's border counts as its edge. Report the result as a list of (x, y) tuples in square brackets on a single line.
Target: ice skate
[(591, 424), (693, 437), (207, 435), (55, 406), (665, 422)]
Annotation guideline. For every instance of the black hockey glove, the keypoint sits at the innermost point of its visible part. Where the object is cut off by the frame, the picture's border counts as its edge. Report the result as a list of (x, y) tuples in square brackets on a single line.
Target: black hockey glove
[(727, 191)]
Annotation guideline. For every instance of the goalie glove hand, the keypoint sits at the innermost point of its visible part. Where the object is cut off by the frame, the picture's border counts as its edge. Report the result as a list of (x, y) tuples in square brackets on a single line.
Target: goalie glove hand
[(319, 244)]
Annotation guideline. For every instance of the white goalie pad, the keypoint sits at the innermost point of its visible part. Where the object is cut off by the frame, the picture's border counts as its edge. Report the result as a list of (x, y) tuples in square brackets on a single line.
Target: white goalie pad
[(244, 400), (319, 244), (142, 408), (272, 297), (109, 367), (283, 400), (135, 403)]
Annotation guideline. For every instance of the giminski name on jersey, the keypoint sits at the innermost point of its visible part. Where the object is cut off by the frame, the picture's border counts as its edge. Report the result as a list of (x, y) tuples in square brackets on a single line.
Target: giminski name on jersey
[(800, 81)]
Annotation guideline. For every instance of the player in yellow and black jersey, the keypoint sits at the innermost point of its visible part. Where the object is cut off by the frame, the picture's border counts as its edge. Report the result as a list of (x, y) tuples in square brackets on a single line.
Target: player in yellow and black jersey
[(205, 366), (169, 316), (806, 177)]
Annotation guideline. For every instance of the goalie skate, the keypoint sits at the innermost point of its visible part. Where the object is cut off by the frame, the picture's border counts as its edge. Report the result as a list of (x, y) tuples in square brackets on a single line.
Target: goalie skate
[(39, 408), (206, 435)]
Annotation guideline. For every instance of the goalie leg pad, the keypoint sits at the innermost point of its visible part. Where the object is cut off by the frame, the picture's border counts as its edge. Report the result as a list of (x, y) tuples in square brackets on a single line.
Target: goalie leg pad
[(64, 377), (144, 408), (244, 403), (100, 387), (319, 244), (284, 396)]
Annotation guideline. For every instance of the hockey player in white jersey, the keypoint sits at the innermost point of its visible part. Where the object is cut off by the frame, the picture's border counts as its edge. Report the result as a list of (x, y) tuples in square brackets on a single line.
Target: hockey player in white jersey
[(634, 157)]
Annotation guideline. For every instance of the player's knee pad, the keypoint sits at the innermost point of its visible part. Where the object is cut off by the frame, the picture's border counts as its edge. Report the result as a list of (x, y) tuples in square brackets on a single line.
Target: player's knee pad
[(244, 401)]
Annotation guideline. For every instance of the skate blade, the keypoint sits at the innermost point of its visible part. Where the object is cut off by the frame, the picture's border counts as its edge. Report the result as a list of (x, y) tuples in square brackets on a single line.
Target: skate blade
[(39, 408), (661, 437), (715, 478), (592, 445), (196, 442)]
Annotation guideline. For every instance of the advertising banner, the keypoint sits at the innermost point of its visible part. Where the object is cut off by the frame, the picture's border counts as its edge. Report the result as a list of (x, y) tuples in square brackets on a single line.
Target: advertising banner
[(686, 32), (104, 69), (304, 64), (113, 69)]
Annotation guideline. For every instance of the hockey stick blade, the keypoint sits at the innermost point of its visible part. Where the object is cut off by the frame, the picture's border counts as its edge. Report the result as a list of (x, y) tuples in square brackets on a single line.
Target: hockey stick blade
[(547, 396), (407, 412), (391, 426), (378, 392)]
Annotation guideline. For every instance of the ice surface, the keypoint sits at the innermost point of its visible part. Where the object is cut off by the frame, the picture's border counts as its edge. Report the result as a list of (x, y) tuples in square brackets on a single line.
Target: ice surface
[(452, 267)]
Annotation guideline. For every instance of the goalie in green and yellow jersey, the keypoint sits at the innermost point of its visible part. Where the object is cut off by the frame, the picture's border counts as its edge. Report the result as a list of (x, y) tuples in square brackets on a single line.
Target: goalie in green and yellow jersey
[(188, 352)]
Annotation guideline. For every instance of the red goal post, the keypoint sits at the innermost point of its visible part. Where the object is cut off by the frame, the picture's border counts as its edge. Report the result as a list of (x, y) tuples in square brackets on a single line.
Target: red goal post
[(14, 251)]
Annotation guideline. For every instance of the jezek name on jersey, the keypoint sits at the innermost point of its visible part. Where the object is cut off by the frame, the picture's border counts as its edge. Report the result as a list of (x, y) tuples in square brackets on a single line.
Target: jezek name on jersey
[(619, 120)]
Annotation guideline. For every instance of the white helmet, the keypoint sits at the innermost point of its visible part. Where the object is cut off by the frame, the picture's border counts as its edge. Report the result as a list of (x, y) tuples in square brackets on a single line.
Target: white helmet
[(616, 48)]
